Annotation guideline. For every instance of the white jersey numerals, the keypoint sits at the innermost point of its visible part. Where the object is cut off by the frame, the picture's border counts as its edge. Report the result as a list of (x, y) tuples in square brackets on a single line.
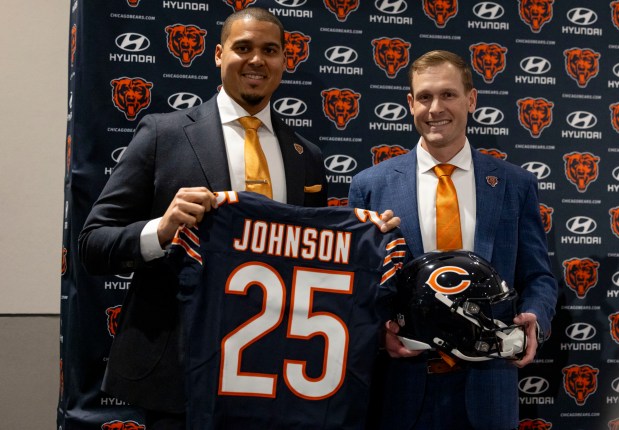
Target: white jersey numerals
[(304, 323)]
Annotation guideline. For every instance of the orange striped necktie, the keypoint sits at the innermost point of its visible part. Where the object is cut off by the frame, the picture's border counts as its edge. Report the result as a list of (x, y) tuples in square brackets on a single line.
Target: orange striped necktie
[(448, 233), (257, 177)]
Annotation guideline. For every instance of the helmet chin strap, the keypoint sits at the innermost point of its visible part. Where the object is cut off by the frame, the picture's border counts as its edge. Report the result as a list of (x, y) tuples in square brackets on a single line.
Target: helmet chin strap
[(512, 338)]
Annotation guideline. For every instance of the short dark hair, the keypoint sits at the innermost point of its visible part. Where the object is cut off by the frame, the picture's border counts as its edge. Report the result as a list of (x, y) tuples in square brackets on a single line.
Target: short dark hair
[(435, 58), (257, 13)]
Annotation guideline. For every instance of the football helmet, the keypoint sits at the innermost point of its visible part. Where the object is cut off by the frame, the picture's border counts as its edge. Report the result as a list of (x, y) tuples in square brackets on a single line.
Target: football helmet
[(456, 302)]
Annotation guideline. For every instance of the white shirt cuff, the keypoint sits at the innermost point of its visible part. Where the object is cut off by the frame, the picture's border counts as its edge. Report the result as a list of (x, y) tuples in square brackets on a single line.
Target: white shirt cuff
[(149, 242)]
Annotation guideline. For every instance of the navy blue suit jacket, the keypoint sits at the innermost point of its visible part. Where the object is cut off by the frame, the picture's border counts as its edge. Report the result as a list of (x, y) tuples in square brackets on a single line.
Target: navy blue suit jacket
[(168, 151), (510, 235)]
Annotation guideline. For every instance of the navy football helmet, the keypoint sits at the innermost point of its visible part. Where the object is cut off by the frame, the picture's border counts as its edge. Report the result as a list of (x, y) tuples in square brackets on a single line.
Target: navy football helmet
[(456, 302)]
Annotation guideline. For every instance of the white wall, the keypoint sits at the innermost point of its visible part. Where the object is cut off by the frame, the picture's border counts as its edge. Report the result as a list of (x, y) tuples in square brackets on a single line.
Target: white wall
[(33, 108)]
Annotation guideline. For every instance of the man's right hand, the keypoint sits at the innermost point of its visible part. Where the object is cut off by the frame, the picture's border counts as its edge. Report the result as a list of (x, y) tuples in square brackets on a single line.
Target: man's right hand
[(394, 347), (187, 209)]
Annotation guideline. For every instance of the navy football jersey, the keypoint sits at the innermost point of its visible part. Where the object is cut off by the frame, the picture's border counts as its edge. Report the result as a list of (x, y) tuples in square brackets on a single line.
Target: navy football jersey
[(282, 308)]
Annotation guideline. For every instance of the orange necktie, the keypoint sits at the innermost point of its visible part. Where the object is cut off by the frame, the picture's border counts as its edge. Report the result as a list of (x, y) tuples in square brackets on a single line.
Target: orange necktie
[(257, 177), (448, 234)]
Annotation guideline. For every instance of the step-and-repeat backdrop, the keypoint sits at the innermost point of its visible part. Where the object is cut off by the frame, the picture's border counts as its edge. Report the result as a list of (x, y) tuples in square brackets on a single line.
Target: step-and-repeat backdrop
[(548, 77)]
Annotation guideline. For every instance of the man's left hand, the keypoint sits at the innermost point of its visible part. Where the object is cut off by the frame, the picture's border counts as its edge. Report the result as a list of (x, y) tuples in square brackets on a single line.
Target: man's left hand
[(528, 320)]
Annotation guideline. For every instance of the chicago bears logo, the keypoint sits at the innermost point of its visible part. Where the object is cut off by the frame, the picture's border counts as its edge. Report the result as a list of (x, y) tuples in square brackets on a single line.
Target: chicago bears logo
[(449, 280), (614, 220), (68, 157), (614, 116), (546, 214), (185, 42), (73, 43), (488, 60), (238, 5), (61, 384), (581, 65), (580, 274), (535, 13), (493, 152), (296, 48), (614, 424), (112, 319), (580, 382), (535, 114), (440, 11), (384, 152), (614, 326), (63, 265), (614, 7), (534, 424), (122, 425), (131, 95), (391, 55), (133, 3), (341, 8), (334, 201), (581, 169), (340, 106)]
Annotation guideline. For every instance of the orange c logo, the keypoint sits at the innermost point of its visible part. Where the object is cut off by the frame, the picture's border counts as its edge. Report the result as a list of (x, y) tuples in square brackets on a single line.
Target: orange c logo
[(436, 286)]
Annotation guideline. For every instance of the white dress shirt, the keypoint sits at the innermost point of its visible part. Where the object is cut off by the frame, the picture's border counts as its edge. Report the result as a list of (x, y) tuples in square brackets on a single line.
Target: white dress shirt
[(464, 180), (234, 138)]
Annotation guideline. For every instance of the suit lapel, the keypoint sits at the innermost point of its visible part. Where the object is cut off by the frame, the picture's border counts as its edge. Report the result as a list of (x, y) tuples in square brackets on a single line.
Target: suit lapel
[(206, 138), (404, 200), (489, 200), (294, 164)]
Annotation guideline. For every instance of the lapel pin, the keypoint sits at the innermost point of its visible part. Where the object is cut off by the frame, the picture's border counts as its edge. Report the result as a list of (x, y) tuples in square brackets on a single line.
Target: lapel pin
[(492, 181), (299, 148)]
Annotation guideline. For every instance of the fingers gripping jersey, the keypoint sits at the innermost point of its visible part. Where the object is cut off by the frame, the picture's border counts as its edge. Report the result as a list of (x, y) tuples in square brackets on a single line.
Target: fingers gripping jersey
[(282, 309)]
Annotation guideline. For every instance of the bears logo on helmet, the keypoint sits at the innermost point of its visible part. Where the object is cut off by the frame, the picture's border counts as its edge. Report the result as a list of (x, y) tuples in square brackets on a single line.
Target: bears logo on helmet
[(296, 48), (456, 302), (535, 13), (582, 65), (580, 382)]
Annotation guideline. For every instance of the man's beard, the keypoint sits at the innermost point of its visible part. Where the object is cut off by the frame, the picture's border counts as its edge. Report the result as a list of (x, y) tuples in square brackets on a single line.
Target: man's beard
[(252, 99)]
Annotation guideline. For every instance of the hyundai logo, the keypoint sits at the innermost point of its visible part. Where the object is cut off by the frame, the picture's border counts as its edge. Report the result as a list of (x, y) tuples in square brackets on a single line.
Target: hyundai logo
[(392, 7), (539, 169), (616, 70), (582, 16), (488, 116), (289, 106), (488, 10), (615, 385), (580, 331), (533, 385), (132, 42), (341, 55), (118, 153), (340, 163), (582, 120), (615, 279), (180, 101), (535, 65), (616, 173), (390, 111), (291, 3), (581, 225), (127, 277)]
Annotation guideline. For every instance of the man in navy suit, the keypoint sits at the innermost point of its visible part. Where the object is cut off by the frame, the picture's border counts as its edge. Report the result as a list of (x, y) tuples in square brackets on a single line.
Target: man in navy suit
[(165, 180), (500, 221)]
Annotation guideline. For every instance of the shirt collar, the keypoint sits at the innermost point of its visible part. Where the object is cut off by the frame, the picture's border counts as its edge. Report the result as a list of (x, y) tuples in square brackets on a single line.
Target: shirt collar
[(230, 111), (463, 159)]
